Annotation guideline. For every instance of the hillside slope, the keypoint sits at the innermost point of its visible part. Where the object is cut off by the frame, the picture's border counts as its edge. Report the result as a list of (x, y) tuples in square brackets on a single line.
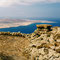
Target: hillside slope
[(13, 46), (42, 44)]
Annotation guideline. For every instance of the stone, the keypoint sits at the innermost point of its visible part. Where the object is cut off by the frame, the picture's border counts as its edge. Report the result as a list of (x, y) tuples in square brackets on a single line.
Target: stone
[(44, 43), (58, 50), (44, 26)]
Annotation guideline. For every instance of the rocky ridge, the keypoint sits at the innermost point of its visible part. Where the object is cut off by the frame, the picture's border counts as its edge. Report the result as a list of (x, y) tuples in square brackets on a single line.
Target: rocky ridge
[(42, 44)]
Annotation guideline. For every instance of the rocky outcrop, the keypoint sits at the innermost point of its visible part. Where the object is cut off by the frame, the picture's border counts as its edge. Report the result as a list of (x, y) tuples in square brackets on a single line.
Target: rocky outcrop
[(44, 44), (44, 27)]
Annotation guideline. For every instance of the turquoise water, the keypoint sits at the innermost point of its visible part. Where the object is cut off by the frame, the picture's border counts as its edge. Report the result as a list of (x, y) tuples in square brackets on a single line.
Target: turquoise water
[(29, 28)]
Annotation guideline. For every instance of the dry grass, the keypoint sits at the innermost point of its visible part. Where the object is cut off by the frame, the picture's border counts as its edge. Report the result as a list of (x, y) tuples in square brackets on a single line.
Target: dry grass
[(13, 45)]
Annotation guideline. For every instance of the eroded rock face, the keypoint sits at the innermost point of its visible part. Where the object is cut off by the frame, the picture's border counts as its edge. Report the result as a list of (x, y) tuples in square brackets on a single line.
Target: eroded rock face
[(42, 44), (44, 26), (45, 45)]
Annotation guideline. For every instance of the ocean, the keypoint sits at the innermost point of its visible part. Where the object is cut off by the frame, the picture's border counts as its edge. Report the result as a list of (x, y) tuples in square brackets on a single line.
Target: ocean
[(29, 28)]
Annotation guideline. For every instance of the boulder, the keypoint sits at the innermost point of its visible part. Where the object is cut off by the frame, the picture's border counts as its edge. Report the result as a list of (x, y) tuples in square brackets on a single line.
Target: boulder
[(44, 26)]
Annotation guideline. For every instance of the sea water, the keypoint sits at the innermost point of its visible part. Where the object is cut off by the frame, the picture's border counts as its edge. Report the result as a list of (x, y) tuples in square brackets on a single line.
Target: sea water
[(29, 28)]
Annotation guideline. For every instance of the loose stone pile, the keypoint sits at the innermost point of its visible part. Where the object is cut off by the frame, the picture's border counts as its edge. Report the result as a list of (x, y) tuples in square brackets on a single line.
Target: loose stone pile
[(45, 43)]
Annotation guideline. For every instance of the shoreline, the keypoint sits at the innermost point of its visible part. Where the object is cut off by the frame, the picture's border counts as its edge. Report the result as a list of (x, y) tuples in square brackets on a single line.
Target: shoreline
[(6, 23)]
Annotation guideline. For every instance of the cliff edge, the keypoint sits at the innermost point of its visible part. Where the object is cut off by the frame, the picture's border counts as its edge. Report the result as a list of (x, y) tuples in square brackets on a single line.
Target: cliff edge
[(45, 43), (42, 44)]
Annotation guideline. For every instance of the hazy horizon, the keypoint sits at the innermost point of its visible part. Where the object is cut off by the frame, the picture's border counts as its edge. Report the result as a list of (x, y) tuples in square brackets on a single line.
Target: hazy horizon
[(30, 8)]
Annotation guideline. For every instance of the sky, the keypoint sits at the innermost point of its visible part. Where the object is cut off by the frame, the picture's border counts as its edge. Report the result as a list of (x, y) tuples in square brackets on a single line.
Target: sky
[(30, 8)]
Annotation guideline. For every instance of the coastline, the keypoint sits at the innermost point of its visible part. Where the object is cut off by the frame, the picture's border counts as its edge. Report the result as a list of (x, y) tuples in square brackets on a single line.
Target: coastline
[(7, 23)]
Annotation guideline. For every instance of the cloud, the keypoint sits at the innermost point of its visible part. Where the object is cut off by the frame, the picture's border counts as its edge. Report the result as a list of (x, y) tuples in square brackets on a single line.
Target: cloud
[(5, 3)]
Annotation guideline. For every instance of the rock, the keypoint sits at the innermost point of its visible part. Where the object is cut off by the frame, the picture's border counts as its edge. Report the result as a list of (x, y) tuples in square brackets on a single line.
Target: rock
[(58, 50), (44, 26), (47, 45), (44, 43)]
